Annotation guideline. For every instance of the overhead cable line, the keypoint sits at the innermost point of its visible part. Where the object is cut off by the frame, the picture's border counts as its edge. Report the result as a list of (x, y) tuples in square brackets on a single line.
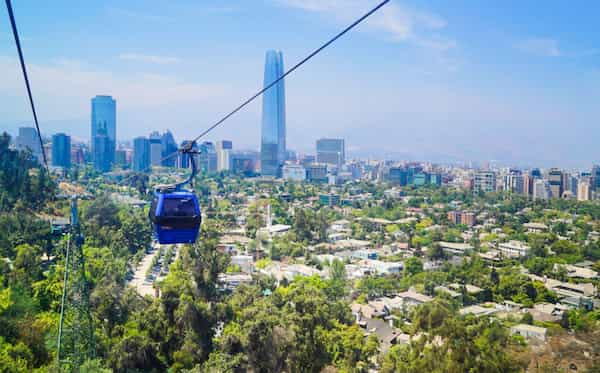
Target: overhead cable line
[(23, 67), (302, 62)]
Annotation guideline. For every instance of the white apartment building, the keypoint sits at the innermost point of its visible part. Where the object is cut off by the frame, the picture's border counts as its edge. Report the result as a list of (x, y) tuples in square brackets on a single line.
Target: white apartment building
[(514, 249)]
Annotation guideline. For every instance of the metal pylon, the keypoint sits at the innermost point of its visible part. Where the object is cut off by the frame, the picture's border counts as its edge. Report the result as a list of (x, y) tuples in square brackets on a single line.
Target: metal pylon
[(75, 330)]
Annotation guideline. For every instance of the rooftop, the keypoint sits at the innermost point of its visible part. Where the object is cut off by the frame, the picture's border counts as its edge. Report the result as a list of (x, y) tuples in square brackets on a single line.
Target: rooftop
[(477, 310), (455, 246), (416, 296), (530, 328), (534, 225)]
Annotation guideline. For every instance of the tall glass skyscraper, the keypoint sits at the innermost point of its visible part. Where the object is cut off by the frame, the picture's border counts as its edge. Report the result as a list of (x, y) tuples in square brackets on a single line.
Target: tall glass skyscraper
[(169, 146), (596, 177), (28, 140), (272, 150), (61, 150), (155, 149), (104, 123), (141, 154), (331, 151), (104, 151)]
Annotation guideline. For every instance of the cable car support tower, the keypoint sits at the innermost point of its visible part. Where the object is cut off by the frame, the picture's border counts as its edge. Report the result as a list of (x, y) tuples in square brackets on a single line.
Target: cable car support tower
[(76, 330)]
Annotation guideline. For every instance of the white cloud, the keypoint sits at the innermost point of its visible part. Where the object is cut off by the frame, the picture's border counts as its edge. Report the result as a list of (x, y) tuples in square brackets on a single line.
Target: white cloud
[(145, 58), (64, 88), (400, 23), (544, 47)]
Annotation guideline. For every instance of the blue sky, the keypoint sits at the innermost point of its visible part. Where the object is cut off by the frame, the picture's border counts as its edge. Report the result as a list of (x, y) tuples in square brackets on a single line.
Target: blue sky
[(512, 81)]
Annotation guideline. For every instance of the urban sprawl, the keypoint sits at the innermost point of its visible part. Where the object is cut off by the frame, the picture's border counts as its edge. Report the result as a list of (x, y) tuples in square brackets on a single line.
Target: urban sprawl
[(471, 269)]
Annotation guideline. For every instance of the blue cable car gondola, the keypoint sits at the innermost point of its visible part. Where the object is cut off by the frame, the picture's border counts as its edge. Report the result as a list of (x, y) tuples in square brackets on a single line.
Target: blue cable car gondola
[(175, 212)]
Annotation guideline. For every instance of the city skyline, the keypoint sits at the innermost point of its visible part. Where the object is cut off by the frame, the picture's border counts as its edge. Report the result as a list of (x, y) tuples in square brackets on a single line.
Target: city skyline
[(450, 89), (126, 144)]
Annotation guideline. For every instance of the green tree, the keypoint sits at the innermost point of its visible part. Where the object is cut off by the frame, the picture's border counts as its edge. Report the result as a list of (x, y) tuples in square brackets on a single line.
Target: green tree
[(135, 231), (412, 266), (435, 252), (27, 265), (337, 283), (301, 225)]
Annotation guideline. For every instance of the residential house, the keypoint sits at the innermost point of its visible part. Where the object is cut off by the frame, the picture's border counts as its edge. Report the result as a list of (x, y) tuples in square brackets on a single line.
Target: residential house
[(578, 272), (566, 289), (411, 298), (340, 226), (383, 268), (229, 281), (535, 227), (529, 332), (245, 262), (477, 310)]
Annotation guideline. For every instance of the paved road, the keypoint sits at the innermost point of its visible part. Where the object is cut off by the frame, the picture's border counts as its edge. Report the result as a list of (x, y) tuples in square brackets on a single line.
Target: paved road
[(139, 281)]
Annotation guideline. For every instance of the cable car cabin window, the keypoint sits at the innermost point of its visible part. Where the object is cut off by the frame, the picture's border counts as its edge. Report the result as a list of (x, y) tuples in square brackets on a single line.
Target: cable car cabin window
[(178, 213), (178, 207)]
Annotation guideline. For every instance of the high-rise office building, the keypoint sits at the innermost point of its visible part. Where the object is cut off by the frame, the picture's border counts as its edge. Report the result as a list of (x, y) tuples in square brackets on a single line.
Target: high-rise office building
[(355, 168), (224, 148), (155, 149), (141, 154), (207, 159), (398, 176), (584, 190), (273, 149), (61, 150), (244, 162), (435, 178), (527, 184), (77, 154), (294, 172), (103, 151), (541, 189), (570, 183), (104, 123), (317, 173), (421, 178), (121, 158), (454, 217), (513, 181), (596, 177), (467, 218), (331, 151), (168, 147), (555, 179), (484, 182), (28, 140), (225, 144)]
